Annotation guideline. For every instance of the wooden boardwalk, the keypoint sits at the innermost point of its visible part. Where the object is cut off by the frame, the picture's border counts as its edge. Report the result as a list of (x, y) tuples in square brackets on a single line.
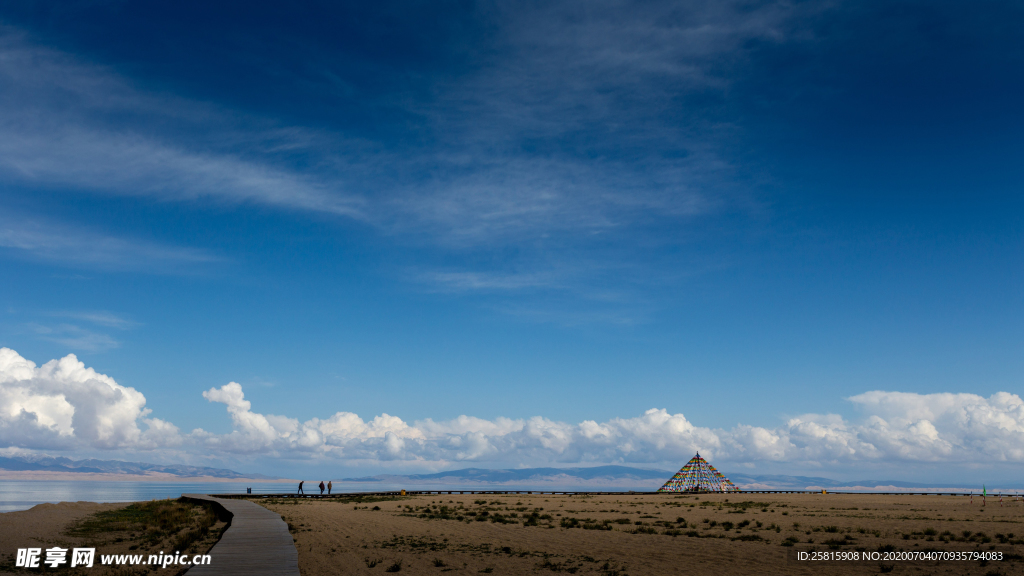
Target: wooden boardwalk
[(256, 543)]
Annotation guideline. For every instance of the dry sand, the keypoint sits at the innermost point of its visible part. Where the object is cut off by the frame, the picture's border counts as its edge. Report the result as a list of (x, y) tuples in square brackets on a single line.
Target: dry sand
[(339, 537), (44, 525), (346, 537)]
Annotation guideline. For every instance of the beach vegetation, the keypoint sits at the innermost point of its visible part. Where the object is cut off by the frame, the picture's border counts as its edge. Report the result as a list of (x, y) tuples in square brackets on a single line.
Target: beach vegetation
[(179, 525)]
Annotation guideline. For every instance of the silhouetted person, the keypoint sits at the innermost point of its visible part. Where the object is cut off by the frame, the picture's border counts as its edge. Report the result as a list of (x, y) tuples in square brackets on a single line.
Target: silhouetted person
[(300, 487), (321, 487), (328, 487)]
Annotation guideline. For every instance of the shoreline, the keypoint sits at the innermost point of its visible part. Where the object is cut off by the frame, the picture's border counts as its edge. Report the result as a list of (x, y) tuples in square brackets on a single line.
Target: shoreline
[(40, 475), (44, 476)]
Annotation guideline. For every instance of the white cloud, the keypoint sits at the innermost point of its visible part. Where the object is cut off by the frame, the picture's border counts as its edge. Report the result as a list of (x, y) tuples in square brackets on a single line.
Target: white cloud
[(945, 425), (952, 428), (65, 405)]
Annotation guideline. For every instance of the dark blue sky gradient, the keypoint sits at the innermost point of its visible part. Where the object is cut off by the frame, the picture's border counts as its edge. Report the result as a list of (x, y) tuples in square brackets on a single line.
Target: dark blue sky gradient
[(741, 212)]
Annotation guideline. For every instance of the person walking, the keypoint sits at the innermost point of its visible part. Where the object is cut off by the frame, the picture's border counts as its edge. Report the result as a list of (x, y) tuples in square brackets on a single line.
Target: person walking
[(321, 487), (300, 487), (328, 487)]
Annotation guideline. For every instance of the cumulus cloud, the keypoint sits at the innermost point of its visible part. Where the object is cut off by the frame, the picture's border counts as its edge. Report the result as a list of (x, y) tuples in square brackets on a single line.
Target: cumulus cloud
[(65, 405), (898, 427)]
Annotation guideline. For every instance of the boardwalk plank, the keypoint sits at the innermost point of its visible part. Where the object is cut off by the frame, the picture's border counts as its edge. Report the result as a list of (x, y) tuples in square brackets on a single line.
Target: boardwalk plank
[(257, 543)]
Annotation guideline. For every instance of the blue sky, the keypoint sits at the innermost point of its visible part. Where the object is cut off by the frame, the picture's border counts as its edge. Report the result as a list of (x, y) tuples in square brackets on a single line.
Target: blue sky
[(746, 214)]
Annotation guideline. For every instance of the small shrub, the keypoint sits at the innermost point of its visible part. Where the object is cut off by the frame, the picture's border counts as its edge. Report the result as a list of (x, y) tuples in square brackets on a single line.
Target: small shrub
[(397, 566)]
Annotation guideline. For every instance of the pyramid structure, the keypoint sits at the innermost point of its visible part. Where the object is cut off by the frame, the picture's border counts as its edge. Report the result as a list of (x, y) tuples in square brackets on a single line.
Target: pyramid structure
[(698, 475)]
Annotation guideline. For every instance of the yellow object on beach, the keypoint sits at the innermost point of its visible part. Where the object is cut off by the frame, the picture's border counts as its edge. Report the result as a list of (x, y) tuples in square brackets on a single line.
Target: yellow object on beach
[(823, 491), (403, 492)]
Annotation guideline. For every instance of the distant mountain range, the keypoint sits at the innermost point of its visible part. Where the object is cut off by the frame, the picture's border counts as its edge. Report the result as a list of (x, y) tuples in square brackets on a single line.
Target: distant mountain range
[(51, 464), (625, 477), (592, 475), (596, 477)]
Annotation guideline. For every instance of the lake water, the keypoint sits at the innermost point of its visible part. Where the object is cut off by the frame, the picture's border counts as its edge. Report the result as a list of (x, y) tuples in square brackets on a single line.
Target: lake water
[(24, 494)]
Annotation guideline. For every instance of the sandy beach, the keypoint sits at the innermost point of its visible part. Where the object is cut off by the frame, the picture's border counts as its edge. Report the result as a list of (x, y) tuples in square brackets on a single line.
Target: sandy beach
[(611, 535), (742, 534), (45, 524), (111, 529)]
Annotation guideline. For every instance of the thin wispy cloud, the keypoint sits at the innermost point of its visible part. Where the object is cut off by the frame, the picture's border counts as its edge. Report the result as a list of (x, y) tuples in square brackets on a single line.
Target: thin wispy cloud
[(74, 246), (530, 149), (576, 117), (75, 337), (542, 137), (73, 124), (463, 281), (89, 331), (98, 317)]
